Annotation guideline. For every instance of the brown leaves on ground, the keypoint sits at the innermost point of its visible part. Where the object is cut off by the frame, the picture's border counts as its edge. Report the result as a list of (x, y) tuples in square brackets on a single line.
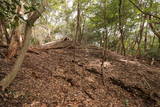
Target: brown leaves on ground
[(51, 77)]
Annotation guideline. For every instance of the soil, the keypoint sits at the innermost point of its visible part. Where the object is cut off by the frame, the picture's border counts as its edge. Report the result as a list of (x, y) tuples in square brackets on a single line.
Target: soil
[(62, 74)]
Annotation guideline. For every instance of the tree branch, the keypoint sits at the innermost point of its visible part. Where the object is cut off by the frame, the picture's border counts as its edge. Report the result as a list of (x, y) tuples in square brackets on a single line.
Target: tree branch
[(146, 13), (153, 29)]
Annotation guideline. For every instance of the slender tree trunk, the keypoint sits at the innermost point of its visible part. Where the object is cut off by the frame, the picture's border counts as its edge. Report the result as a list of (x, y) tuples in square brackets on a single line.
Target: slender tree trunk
[(115, 29), (83, 28), (134, 41), (4, 31), (28, 31), (123, 51), (78, 26), (101, 41), (118, 49), (15, 43), (140, 37), (105, 35), (152, 43), (158, 46), (66, 18), (159, 43), (1, 34), (9, 78), (145, 40), (15, 36)]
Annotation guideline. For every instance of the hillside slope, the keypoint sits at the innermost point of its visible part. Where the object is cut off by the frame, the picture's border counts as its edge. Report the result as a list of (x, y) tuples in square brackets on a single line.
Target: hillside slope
[(57, 74)]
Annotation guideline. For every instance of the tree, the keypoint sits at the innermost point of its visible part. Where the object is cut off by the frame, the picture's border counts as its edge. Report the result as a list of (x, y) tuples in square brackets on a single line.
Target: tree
[(78, 24), (124, 23), (32, 17), (121, 26)]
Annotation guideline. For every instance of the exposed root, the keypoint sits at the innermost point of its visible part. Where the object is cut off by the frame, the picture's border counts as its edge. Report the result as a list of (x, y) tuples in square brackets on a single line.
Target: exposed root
[(133, 90), (88, 94), (93, 71)]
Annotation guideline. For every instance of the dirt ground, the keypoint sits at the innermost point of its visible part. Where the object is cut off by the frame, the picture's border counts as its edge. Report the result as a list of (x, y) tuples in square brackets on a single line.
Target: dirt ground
[(58, 75)]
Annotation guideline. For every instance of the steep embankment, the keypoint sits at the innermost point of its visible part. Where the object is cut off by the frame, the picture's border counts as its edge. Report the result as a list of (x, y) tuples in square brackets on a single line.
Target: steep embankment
[(53, 75)]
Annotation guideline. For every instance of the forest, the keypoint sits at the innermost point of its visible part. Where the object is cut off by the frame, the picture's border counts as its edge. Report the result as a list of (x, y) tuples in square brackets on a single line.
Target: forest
[(79, 53)]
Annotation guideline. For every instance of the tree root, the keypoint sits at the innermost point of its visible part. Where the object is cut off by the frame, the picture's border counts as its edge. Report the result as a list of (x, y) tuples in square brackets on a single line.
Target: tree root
[(93, 71), (133, 90)]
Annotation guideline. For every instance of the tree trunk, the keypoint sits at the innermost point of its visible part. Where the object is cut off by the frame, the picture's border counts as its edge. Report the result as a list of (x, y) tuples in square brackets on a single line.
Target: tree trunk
[(140, 37), (78, 27), (152, 43), (4, 31), (1, 34), (33, 16), (145, 40), (15, 36), (105, 37), (82, 29), (9, 78), (159, 46), (123, 51), (154, 31), (15, 43)]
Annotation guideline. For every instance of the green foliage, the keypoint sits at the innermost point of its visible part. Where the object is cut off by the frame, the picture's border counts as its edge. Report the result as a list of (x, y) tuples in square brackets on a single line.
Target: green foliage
[(104, 14)]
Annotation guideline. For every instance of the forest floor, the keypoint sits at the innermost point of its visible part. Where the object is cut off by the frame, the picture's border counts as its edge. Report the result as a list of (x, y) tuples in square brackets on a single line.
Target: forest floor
[(58, 75)]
